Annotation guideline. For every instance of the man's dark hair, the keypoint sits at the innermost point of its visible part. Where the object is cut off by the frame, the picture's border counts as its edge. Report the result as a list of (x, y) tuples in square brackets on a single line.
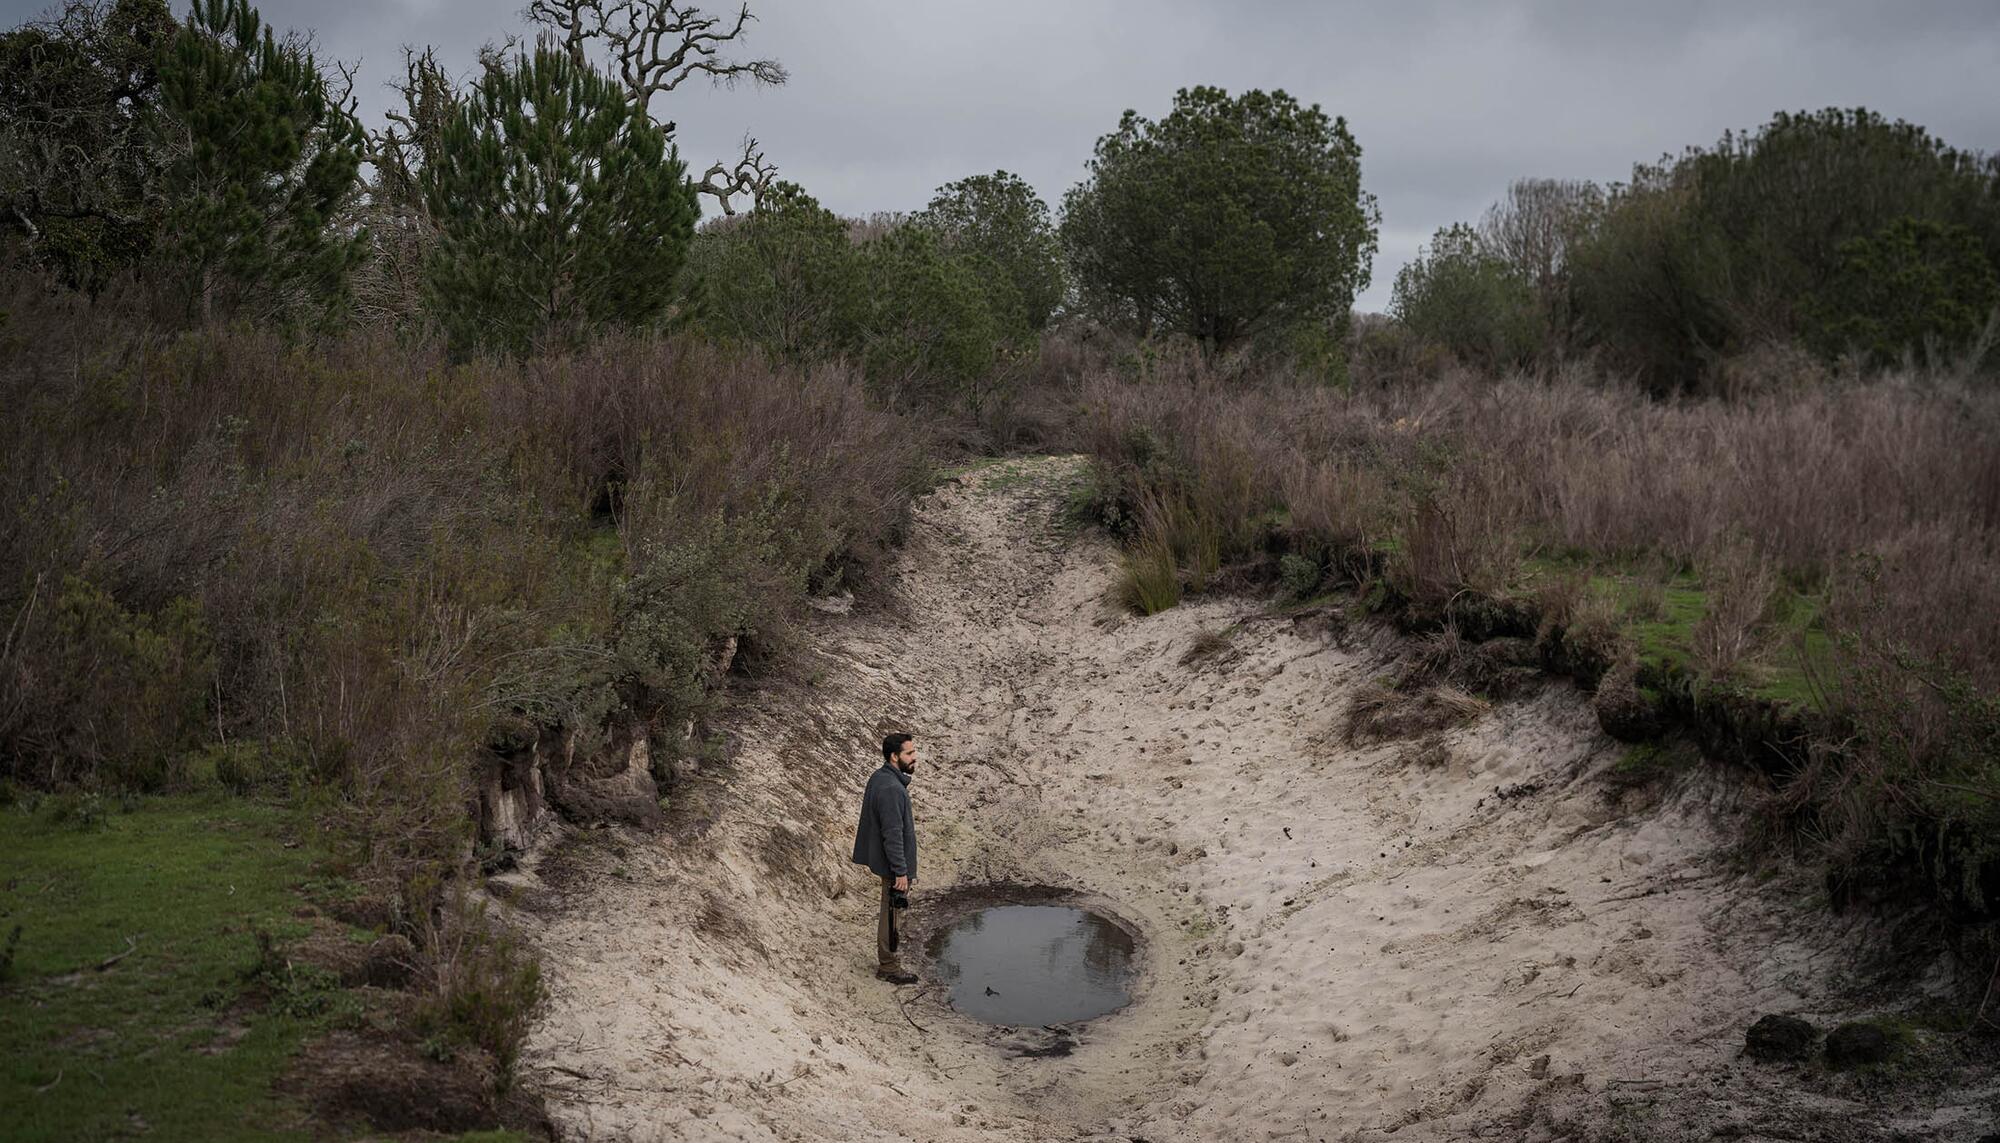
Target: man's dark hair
[(894, 743)]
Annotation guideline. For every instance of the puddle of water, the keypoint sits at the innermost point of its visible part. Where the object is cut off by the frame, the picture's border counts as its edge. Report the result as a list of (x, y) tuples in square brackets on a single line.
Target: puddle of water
[(1034, 964)]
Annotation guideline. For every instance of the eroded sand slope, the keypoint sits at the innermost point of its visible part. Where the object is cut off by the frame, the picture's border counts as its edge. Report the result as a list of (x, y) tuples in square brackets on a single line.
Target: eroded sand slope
[(1341, 943)]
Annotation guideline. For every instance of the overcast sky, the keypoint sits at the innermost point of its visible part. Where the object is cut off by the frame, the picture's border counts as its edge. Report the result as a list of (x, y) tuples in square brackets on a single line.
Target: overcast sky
[(1449, 101)]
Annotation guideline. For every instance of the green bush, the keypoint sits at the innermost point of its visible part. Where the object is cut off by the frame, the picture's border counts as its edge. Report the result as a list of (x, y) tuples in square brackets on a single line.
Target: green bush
[(783, 277), (927, 314), (561, 209), (1299, 576), (929, 322), (1916, 289), (999, 220), (103, 694), (1801, 228), (1457, 294), (484, 995), (1228, 220)]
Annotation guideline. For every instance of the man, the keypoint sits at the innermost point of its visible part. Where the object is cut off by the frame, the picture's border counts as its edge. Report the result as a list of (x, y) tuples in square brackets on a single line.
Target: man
[(886, 842)]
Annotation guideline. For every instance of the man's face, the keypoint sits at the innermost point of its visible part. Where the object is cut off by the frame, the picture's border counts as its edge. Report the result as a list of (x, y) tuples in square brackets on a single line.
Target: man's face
[(906, 758)]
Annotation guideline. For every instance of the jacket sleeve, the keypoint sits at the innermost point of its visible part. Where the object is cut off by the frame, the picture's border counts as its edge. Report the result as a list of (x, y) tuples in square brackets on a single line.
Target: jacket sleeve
[(889, 825)]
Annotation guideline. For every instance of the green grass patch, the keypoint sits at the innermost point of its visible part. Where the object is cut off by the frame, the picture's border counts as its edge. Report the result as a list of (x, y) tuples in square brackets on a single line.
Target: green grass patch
[(1647, 760), (161, 1041), (1668, 639), (1659, 619)]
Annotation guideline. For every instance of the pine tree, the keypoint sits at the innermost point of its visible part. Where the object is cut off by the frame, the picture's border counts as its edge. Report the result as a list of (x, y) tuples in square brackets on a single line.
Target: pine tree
[(561, 208), (264, 158)]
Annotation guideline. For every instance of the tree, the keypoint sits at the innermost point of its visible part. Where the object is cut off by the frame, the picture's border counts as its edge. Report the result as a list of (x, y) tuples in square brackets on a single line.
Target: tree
[(928, 318), (79, 103), (1230, 219), (999, 218), (1704, 254), (1460, 294), (782, 275), (654, 46), (1533, 230), (560, 207), (264, 157), (1916, 289)]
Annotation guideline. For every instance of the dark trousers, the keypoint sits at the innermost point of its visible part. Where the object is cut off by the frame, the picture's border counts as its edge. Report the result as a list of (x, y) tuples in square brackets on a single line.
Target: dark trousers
[(886, 937)]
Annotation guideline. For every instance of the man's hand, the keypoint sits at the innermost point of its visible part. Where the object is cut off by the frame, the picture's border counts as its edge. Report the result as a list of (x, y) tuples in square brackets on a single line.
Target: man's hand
[(902, 885)]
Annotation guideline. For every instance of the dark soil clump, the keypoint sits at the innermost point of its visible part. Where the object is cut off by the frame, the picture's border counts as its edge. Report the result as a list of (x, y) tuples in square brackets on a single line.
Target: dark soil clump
[(1774, 1037)]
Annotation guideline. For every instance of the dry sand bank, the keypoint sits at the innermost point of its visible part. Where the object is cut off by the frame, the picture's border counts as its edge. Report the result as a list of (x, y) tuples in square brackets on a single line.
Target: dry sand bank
[(1485, 938)]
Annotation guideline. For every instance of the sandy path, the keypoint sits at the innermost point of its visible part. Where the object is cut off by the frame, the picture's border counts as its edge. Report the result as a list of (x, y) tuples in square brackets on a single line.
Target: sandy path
[(1341, 944)]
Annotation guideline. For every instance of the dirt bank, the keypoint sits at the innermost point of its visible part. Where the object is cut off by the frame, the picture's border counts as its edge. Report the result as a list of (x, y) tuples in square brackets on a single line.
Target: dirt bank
[(1481, 934)]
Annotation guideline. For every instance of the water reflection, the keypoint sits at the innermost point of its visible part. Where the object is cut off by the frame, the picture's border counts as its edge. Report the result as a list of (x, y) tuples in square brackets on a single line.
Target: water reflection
[(1034, 964)]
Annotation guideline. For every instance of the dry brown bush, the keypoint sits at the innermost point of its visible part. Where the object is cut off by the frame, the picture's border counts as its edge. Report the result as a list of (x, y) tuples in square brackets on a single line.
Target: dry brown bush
[(378, 559), (1877, 501)]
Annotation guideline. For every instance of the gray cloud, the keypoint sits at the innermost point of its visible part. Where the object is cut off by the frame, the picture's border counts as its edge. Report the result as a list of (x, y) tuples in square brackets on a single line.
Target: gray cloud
[(1449, 101)]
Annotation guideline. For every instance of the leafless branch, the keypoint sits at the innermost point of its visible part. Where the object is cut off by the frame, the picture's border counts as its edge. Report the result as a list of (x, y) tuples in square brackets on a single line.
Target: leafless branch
[(751, 175), (657, 45)]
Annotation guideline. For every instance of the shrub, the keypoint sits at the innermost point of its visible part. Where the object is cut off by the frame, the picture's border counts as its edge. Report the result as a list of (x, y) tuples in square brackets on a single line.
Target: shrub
[(98, 693), (1458, 294), (1300, 576), (382, 561), (1867, 505), (484, 988), (928, 325), (1738, 582), (1914, 290), (784, 277)]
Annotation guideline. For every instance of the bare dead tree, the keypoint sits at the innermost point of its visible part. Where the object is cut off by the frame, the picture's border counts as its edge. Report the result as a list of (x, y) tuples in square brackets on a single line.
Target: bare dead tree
[(750, 176), (657, 45), (1533, 229), (401, 150)]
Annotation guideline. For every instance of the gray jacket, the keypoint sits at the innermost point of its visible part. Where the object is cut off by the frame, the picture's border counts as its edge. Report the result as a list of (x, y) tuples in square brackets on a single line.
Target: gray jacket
[(886, 839)]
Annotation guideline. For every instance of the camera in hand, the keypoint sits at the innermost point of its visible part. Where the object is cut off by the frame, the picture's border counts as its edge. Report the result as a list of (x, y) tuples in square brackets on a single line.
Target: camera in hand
[(898, 899)]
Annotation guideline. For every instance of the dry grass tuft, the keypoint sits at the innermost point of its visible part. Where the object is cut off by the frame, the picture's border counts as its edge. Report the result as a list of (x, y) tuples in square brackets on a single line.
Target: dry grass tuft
[(1381, 713)]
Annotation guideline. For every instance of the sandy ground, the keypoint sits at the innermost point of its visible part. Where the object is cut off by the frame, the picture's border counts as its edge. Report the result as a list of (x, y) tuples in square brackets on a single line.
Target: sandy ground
[(1494, 941)]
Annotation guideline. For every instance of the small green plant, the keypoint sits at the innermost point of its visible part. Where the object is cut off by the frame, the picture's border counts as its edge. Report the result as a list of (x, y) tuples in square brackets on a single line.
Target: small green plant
[(84, 810), (1148, 582), (1300, 576), (486, 989)]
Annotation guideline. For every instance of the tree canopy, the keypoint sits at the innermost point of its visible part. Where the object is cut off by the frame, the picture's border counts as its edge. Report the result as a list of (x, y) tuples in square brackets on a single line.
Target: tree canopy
[(1000, 219), (1229, 219), (560, 207)]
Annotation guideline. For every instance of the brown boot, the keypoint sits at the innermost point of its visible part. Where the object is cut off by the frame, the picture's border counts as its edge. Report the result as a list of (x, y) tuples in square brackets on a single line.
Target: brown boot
[(895, 975)]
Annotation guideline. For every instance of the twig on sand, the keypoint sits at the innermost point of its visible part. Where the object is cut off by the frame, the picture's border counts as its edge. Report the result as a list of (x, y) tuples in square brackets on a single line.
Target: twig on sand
[(804, 1070), (906, 1010), (1549, 993)]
